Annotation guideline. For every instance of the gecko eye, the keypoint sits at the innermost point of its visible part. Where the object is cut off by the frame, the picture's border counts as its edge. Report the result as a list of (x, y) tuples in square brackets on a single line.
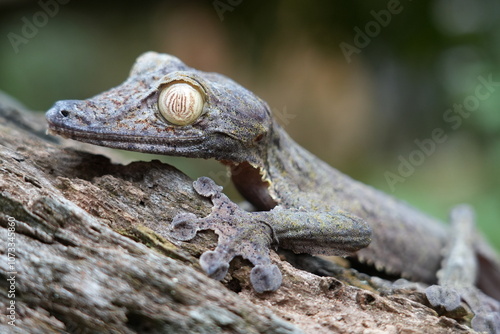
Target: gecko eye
[(180, 103)]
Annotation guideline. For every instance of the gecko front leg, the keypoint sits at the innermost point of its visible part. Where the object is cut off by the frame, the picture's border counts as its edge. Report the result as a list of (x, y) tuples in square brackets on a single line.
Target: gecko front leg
[(252, 234)]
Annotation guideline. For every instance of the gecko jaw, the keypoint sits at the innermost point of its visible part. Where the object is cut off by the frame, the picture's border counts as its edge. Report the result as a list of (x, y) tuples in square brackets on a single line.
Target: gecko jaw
[(177, 145)]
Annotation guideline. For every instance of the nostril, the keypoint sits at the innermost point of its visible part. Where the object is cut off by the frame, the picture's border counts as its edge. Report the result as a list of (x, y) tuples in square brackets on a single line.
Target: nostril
[(65, 113)]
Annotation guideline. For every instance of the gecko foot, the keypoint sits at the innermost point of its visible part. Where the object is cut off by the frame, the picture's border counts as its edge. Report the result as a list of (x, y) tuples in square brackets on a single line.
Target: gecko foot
[(240, 233)]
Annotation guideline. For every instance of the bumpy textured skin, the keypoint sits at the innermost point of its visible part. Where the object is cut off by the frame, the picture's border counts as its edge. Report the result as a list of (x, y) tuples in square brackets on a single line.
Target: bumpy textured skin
[(314, 208)]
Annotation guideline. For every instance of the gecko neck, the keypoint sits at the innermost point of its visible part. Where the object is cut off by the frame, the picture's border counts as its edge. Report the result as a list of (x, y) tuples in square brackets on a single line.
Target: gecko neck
[(285, 172), (297, 176)]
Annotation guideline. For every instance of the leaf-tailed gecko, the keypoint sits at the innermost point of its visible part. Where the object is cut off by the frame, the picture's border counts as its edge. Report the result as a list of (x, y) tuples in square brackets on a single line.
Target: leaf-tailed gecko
[(306, 206)]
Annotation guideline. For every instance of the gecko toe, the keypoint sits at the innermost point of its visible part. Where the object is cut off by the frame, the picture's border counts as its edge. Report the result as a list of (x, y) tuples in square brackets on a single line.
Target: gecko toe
[(265, 278), (440, 296), (184, 227), (214, 264), (206, 187)]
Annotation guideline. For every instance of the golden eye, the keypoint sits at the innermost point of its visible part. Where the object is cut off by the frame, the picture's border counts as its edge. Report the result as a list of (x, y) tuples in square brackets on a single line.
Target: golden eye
[(180, 103)]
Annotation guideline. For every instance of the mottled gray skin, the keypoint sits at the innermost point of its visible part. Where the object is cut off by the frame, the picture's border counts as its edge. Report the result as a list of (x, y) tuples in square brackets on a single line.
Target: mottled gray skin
[(314, 208)]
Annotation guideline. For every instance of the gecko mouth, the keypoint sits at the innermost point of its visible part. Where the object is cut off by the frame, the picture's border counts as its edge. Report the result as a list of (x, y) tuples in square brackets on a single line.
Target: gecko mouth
[(177, 144), (97, 135)]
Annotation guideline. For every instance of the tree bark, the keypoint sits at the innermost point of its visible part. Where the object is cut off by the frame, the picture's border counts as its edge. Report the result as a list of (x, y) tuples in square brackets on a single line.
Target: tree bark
[(85, 248)]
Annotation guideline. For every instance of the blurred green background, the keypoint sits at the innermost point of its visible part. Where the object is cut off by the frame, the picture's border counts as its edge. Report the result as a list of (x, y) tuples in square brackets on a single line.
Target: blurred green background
[(360, 113)]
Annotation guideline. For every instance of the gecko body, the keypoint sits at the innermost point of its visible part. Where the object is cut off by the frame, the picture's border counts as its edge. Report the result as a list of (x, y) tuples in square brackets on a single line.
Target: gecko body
[(305, 205)]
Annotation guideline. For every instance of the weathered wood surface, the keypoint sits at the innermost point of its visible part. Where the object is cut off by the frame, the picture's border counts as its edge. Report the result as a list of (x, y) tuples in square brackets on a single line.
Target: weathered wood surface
[(92, 255)]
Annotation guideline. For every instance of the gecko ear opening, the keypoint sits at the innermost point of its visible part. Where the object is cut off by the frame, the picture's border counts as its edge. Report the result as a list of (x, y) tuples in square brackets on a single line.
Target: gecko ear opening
[(180, 103)]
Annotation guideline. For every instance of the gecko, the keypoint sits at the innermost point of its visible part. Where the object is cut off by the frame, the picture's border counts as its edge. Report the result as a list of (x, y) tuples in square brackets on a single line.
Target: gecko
[(302, 203)]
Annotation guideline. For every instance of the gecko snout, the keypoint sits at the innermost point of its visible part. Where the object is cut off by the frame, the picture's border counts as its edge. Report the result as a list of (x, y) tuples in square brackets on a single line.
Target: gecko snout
[(61, 109), (64, 114)]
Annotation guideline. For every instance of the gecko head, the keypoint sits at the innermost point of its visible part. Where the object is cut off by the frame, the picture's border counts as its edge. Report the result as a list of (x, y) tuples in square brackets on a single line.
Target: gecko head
[(166, 107)]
